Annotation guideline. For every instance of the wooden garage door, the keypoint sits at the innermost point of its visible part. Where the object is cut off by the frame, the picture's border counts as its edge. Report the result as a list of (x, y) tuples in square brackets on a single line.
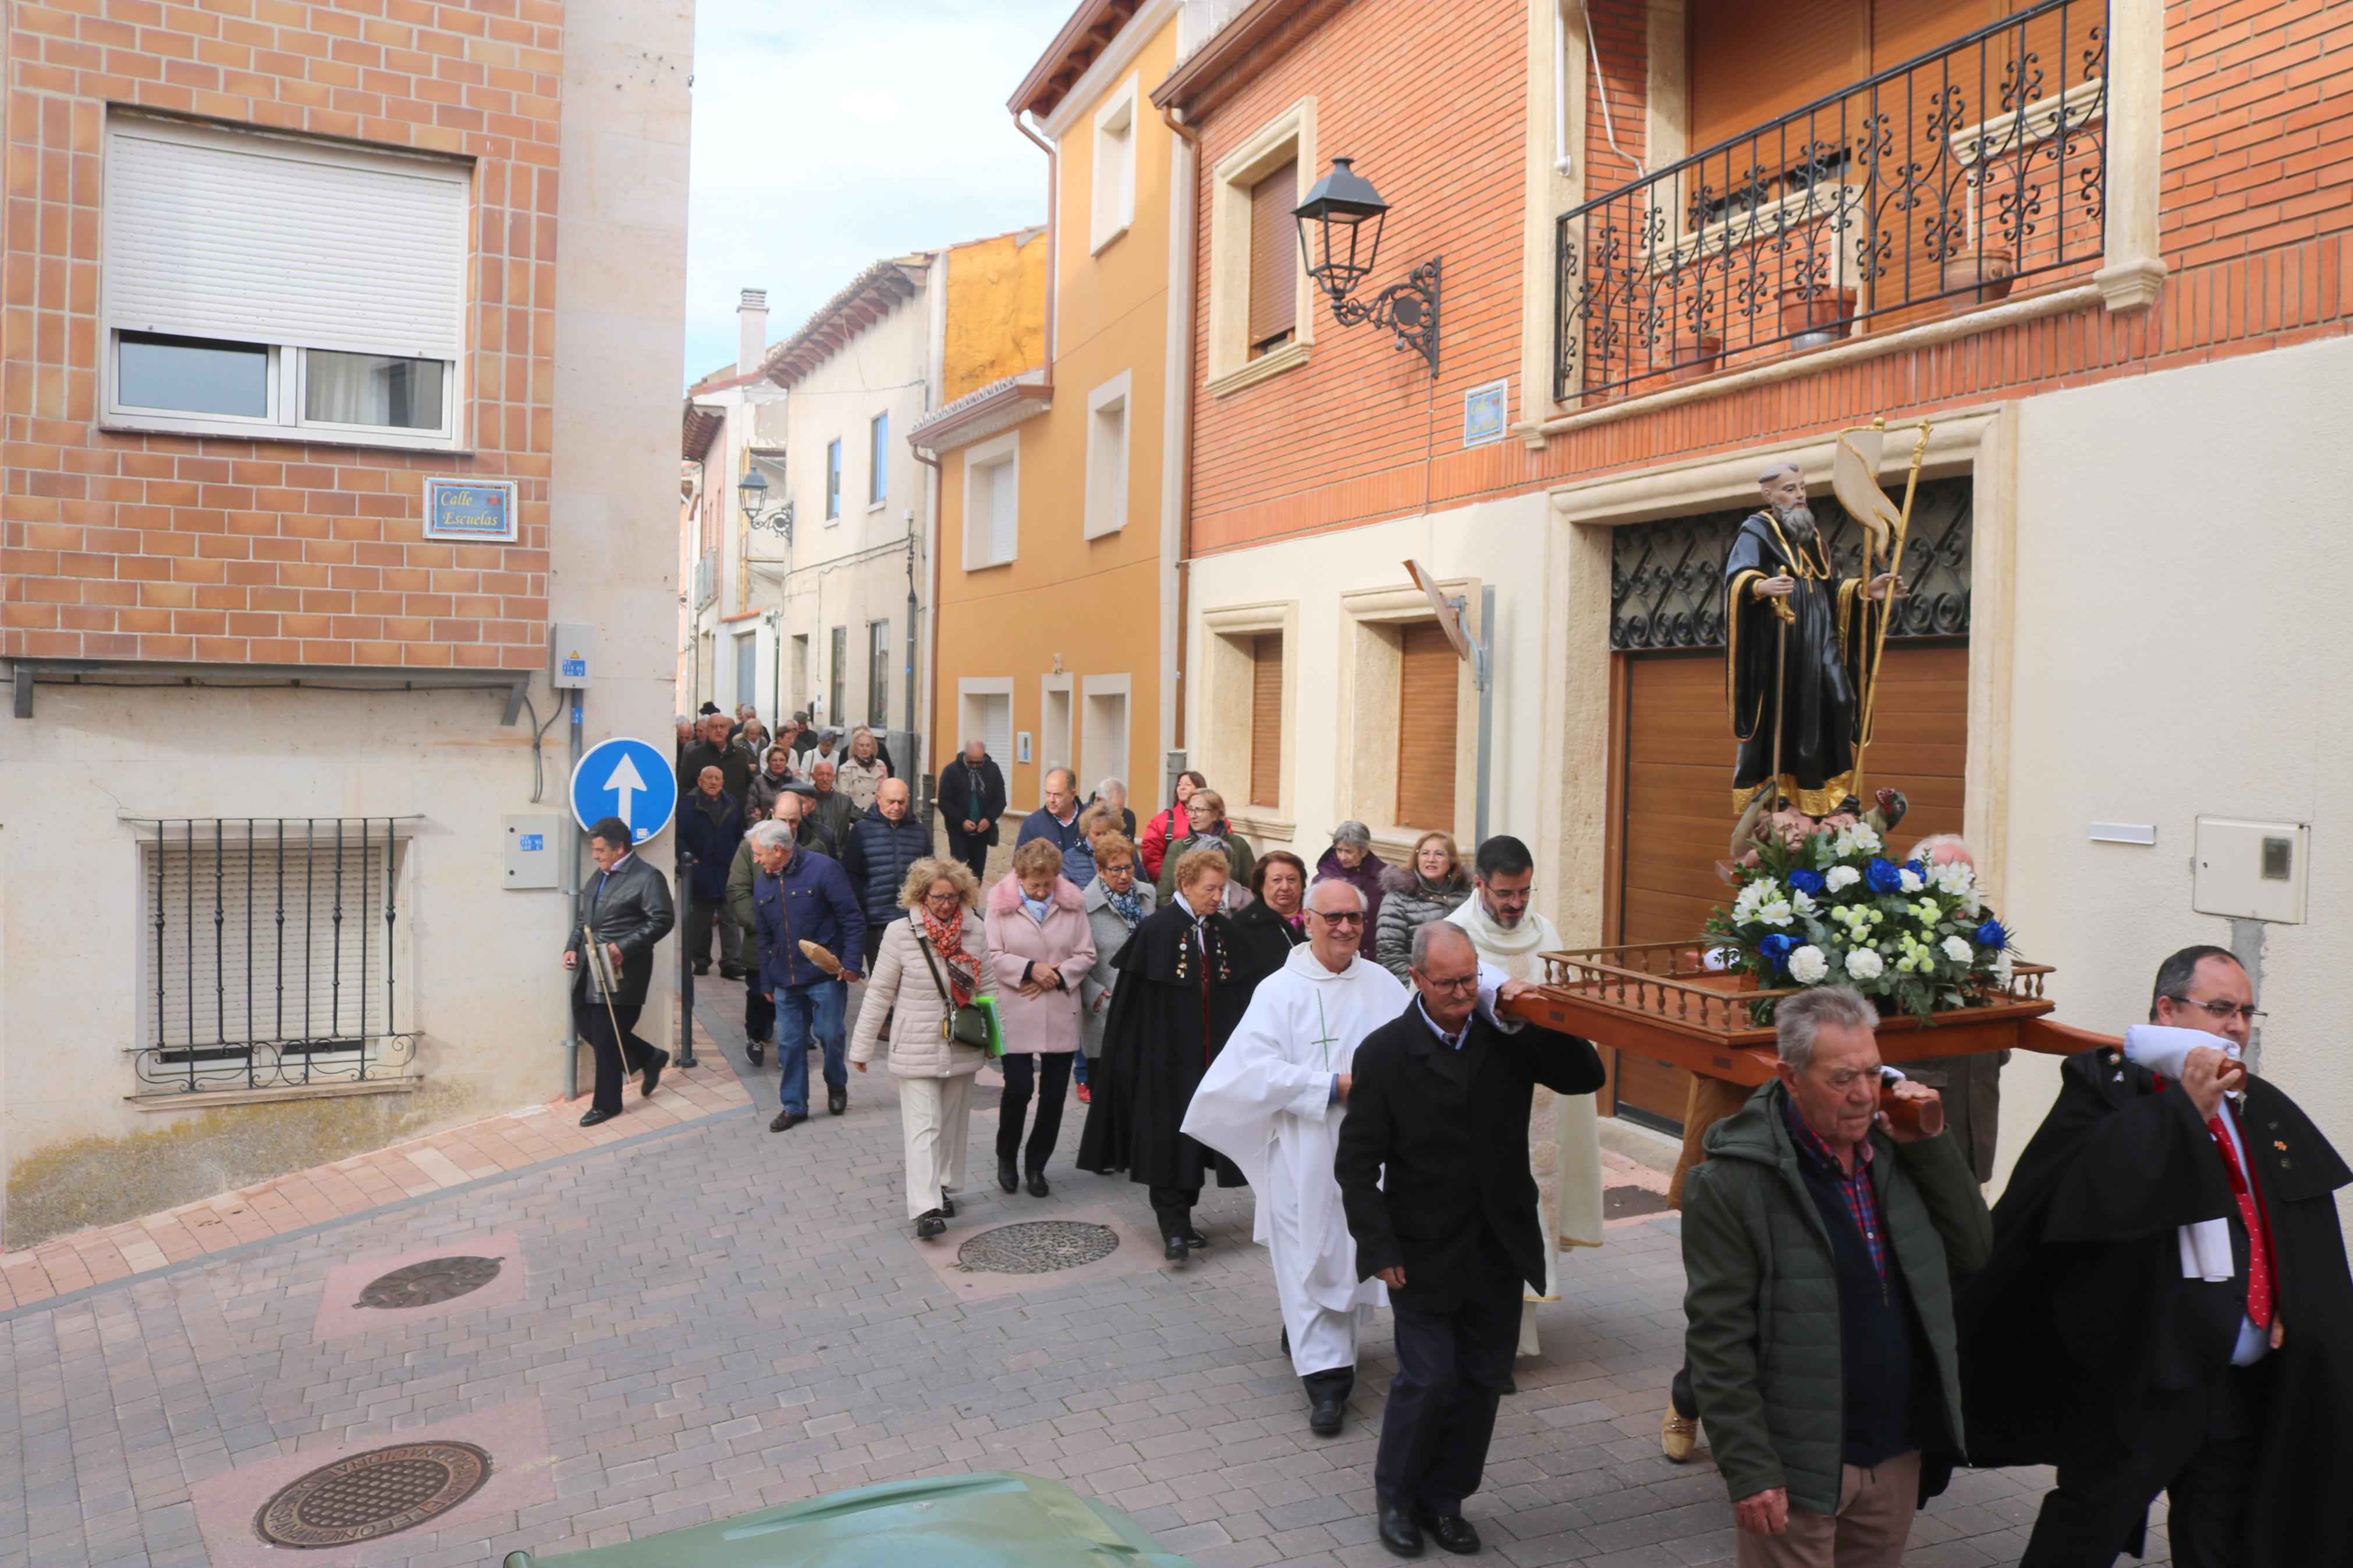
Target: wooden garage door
[(1676, 786), (1428, 679)]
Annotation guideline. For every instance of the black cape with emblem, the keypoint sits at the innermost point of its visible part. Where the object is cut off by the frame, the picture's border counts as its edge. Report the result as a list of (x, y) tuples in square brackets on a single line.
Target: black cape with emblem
[(2082, 1312), (1828, 646), (1165, 1028)]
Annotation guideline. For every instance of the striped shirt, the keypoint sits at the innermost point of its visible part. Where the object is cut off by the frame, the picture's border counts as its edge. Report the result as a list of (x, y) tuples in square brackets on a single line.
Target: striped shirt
[(1862, 1201)]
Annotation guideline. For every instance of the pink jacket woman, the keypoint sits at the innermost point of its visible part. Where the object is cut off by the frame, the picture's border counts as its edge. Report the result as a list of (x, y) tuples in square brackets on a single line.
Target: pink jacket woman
[(1047, 1023)]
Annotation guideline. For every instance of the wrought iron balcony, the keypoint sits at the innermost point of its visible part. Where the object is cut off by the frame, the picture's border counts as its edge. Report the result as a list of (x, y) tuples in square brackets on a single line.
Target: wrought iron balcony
[(1929, 188)]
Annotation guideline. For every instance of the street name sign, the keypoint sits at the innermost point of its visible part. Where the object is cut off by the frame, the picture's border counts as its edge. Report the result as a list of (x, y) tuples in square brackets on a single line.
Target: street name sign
[(627, 779)]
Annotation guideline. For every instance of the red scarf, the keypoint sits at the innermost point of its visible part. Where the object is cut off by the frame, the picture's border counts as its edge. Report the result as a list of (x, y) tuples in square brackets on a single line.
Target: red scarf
[(947, 940)]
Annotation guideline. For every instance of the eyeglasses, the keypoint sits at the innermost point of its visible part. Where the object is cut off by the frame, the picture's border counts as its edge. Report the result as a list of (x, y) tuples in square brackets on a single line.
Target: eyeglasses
[(1353, 918), (2222, 1012), (1468, 983), (942, 900)]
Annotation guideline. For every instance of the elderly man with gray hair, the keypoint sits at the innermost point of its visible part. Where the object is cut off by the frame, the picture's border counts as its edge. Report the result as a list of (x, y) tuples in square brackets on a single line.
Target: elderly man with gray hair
[(1821, 1242)]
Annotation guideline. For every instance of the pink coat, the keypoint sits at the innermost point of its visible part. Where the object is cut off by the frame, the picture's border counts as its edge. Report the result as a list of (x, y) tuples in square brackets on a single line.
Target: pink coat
[(1049, 1022)]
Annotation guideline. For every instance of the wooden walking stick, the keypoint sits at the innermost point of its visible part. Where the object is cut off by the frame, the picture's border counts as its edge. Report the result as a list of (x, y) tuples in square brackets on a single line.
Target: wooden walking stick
[(1780, 691), (603, 972)]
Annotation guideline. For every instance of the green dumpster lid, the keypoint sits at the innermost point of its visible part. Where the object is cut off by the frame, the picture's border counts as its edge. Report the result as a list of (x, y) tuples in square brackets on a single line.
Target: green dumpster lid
[(985, 1519)]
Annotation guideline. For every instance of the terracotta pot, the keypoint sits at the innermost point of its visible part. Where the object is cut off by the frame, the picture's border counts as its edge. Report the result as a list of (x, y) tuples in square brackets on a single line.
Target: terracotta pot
[(1990, 270), (1694, 354), (1829, 313)]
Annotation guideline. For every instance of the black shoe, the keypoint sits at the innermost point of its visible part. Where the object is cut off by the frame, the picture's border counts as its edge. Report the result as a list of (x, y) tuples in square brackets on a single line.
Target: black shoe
[(1451, 1531), (731, 972), (784, 1119), (1196, 1240), (593, 1116), (653, 1072), (704, 967), (1007, 1177), (1398, 1532), (1286, 1339), (1038, 1188), (1327, 1398), (1326, 1416), (1176, 1252), (947, 1206), (837, 1100), (757, 1050), (931, 1225)]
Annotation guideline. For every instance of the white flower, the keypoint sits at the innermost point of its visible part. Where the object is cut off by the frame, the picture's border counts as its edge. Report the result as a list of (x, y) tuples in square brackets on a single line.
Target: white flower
[(1863, 963), (1858, 838), (1957, 949), (1954, 877), (1776, 914), (1839, 877), (1807, 966), (1801, 901), (1752, 897), (1909, 880), (2001, 968)]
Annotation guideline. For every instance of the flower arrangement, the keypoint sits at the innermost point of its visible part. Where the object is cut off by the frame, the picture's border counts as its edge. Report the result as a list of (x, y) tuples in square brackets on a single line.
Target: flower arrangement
[(1832, 909)]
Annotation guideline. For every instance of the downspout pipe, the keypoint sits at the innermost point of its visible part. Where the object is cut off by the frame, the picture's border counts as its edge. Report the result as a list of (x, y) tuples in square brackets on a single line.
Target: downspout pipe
[(926, 773), (1182, 566)]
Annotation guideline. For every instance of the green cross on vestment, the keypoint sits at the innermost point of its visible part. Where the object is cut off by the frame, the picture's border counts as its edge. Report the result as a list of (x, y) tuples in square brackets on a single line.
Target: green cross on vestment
[(1329, 1040)]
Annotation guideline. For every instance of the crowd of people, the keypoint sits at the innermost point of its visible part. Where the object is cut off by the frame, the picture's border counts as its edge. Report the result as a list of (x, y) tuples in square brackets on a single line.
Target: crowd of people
[(2160, 1301)]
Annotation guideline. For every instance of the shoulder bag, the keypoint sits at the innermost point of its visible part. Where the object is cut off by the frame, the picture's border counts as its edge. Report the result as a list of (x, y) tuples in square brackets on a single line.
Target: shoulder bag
[(965, 1025)]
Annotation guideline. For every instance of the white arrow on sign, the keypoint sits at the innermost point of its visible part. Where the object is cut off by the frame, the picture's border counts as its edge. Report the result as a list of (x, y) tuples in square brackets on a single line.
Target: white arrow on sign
[(624, 782)]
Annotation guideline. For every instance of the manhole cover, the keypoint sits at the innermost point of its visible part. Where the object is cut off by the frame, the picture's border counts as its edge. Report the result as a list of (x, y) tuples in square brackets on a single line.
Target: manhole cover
[(380, 1492), (1617, 1203), (1037, 1247), (433, 1280)]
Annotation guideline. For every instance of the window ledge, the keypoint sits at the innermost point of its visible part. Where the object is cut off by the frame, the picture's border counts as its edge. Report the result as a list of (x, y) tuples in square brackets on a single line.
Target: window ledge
[(874, 506), (1104, 243), (207, 1099), (1272, 363), (1263, 826), (300, 435)]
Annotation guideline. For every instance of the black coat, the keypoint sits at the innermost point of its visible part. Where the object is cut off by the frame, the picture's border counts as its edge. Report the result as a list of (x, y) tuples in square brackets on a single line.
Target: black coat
[(709, 830), (879, 855), (1158, 1040), (630, 909), (733, 766), (1265, 940), (1434, 1150), (975, 793), (2082, 1312)]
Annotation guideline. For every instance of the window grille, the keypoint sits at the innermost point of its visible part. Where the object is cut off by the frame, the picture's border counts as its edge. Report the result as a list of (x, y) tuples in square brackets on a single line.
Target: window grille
[(274, 954)]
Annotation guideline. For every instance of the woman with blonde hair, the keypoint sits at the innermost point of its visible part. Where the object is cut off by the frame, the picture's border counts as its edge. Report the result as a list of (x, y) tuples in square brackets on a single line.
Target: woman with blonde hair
[(926, 967), (860, 774), (1429, 887), (1040, 947)]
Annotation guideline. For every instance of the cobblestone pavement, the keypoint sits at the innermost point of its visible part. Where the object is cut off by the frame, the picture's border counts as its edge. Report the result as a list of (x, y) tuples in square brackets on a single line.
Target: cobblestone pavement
[(701, 1319)]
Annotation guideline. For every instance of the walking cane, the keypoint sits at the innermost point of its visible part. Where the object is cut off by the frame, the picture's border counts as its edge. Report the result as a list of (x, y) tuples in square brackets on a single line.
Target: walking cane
[(603, 969)]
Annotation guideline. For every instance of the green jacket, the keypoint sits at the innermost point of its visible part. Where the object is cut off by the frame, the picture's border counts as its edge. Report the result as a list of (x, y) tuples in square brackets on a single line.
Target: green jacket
[(1238, 853), (739, 899), (1761, 1295)]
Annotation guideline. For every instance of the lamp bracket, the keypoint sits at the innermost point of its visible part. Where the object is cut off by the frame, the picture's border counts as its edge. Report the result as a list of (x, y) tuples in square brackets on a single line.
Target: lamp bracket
[(1409, 309)]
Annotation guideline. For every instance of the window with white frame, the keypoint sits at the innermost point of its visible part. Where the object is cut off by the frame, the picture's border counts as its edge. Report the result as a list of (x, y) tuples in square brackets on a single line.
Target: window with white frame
[(991, 495), (833, 478), (1106, 502), (258, 284), (878, 460), (1113, 207)]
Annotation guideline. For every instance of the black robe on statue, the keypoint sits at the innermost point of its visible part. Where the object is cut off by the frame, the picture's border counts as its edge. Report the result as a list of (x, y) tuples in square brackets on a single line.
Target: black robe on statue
[(1171, 1013), (2081, 1322), (1827, 647)]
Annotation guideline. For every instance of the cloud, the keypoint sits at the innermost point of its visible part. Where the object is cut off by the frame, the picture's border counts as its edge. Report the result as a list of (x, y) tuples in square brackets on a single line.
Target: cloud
[(831, 133)]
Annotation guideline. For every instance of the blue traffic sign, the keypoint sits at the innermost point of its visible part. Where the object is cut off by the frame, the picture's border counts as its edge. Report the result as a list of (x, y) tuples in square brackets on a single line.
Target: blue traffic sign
[(627, 779)]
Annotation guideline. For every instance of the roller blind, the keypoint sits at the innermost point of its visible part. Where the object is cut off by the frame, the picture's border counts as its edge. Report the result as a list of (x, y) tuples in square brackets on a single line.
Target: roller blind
[(256, 238), (1427, 678), (1004, 494), (1266, 720), (1273, 271), (997, 729), (1751, 64)]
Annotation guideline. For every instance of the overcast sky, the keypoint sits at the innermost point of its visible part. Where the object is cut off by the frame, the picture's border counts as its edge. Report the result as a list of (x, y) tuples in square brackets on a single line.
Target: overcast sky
[(831, 133)]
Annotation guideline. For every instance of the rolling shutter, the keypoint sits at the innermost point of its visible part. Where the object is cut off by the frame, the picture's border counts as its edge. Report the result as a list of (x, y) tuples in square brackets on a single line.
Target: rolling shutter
[(1752, 63), (1003, 516), (257, 238), (997, 729), (1274, 266), (1428, 679), (1266, 720)]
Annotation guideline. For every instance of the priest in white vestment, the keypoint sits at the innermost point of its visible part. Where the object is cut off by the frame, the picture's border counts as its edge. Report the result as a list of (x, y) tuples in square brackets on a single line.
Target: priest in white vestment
[(1563, 1136), (1273, 1102)]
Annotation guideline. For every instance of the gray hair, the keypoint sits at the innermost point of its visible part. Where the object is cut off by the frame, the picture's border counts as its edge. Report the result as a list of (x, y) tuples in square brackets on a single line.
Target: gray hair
[(1309, 902), (1354, 833), (1798, 1022), (1777, 471), (1429, 932), (768, 835), (1108, 786)]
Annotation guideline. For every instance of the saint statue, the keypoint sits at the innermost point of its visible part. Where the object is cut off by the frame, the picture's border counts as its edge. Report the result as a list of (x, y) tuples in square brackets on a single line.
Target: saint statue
[(1799, 641)]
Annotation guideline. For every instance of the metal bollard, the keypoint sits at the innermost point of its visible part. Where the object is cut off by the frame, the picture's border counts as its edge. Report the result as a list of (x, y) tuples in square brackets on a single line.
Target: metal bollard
[(685, 963)]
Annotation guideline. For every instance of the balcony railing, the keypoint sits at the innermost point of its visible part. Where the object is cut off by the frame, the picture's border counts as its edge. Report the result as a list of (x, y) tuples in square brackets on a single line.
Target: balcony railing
[(1929, 188)]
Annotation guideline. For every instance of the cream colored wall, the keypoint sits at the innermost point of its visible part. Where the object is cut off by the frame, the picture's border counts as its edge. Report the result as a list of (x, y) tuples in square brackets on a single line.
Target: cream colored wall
[(2182, 648)]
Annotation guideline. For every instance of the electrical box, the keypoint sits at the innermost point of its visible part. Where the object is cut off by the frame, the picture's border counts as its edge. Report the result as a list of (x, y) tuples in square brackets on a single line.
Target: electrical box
[(570, 648), (2250, 870), (532, 853)]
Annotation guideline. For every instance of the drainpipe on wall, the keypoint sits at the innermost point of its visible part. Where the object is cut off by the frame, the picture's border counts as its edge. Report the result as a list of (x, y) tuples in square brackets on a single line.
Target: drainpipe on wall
[(925, 775), (1181, 567)]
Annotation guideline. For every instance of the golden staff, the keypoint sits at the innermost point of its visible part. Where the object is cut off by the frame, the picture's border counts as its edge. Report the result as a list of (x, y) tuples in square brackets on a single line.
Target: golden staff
[(1887, 609)]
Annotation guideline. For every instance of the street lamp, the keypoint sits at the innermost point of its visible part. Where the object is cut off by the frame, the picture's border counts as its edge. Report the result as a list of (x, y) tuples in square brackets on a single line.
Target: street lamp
[(1340, 205), (752, 493)]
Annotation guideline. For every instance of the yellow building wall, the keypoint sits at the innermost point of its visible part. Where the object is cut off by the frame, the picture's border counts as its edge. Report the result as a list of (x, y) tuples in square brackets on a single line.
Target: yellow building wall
[(997, 310), (1092, 606)]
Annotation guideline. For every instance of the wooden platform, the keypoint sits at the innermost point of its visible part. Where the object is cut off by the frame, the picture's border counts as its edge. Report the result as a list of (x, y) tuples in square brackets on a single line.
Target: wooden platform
[(1656, 999)]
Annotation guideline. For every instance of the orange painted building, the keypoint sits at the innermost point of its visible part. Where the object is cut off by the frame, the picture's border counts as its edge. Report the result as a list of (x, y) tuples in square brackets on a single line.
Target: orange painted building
[(1677, 242), (1055, 630)]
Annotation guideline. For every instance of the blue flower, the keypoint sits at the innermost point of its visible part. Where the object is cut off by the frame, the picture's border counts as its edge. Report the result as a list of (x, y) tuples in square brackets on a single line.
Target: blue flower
[(1991, 934), (1806, 881), (1777, 949), (1882, 877), (1917, 869)]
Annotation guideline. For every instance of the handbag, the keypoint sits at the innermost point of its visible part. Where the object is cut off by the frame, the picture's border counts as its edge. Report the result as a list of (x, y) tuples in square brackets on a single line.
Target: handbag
[(965, 1025)]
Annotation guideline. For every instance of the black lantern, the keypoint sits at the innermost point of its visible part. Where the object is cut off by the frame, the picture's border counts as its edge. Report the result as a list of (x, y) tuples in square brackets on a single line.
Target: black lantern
[(1348, 215), (751, 492)]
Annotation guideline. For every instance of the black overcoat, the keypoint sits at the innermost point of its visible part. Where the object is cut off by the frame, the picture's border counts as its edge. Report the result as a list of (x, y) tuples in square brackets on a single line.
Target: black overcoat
[(2082, 1312), (630, 909), (1819, 676), (1263, 940), (1162, 1033), (1434, 1149), (977, 793)]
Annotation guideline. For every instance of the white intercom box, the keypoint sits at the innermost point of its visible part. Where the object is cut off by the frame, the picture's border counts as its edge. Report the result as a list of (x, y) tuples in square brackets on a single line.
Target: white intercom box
[(570, 648), (2250, 870)]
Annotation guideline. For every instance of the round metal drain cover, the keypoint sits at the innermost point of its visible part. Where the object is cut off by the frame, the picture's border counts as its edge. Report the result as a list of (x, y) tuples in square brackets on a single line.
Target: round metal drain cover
[(434, 1280), (380, 1492), (1037, 1247)]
